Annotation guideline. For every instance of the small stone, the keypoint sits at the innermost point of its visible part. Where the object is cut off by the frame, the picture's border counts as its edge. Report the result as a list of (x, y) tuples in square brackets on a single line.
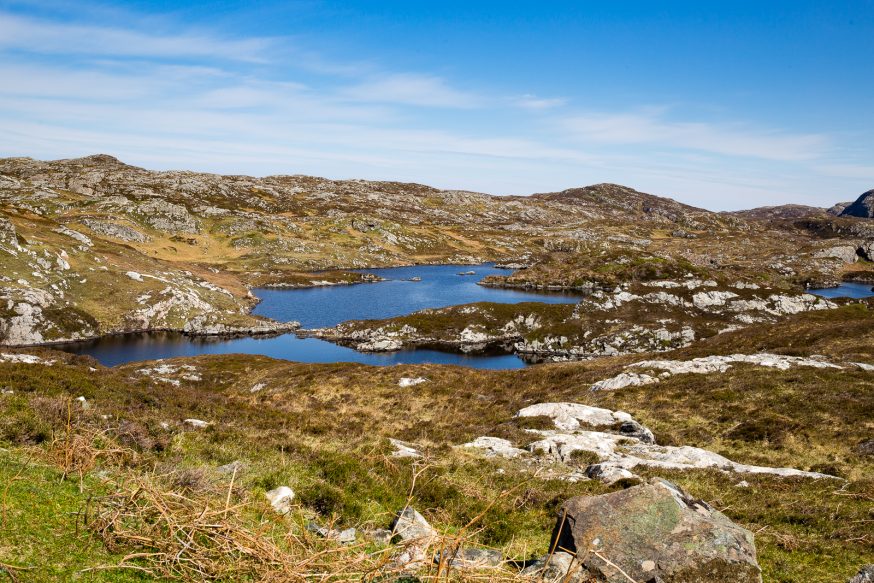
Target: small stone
[(280, 499), (196, 423), (380, 536), (866, 448), (345, 537), (404, 449), (411, 382), (558, 567), (609, 473), (409, 525), (471, 558), (235, 466)]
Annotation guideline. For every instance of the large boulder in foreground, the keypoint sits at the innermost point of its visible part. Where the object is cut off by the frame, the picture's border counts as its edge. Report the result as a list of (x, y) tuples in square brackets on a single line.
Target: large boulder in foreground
[(655, 532), (862, 207)]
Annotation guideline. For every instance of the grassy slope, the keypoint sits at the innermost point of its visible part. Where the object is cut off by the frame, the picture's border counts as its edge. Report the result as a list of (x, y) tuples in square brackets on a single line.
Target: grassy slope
[(322, 429)]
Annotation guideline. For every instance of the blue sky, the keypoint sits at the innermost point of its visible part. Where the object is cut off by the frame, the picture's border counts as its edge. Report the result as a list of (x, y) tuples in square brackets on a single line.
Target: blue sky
[(722, 104)]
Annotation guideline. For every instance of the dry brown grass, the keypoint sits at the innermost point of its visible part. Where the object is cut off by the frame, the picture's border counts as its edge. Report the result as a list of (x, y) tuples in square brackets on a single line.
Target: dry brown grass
[(201, 536), (81, 446)]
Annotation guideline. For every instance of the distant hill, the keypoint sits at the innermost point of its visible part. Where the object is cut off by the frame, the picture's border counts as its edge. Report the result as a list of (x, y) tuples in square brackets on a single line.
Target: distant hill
[(863, 206), (785, 211)]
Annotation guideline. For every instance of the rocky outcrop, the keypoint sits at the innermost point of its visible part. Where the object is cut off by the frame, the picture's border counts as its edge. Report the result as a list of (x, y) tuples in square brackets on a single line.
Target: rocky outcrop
[(843, 253), (654, 532), (8, 235), (707, 364), (623, 380), (862, 207), (205, 326), (617, 442), (168, 217), (573, 416), (495, 447), (116, 231)]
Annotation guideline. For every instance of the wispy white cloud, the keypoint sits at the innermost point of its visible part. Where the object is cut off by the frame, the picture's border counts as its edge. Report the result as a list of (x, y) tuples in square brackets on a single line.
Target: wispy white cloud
[(651, 127), (863, 171), (42, 36), (211, 101), (536, 103), (413, 89)]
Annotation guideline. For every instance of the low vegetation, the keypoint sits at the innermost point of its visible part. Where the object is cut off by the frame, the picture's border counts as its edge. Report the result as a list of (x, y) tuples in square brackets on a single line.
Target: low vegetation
[(109, 490)]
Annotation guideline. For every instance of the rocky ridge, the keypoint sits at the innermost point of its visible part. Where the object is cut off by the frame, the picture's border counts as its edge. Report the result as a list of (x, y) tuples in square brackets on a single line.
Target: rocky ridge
[(72, 230)]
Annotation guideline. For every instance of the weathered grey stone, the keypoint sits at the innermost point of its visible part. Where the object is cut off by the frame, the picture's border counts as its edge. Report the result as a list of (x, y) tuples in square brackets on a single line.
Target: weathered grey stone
[(495, 447), (116, 231), (610, 474), (409, 525), (235, 467), (8, 235), (865, 575), (845, 253), (169, 217), (634, 429), (470, 558), (280, 499), (346, 536), (558, 567), (403, 449), (655, 530), (416, 536)]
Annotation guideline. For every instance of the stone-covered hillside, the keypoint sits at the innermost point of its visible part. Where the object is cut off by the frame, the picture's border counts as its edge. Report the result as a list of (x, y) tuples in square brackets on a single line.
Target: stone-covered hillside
[(94, 246)]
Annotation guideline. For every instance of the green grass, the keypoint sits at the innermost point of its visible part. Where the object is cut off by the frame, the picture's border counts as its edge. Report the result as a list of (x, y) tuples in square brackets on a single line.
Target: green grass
[(323, 429), (41, 535)]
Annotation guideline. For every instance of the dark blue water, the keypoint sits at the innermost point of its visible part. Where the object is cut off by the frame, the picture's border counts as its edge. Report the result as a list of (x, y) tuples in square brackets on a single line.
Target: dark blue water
[(846, 290), (327, 306), (440, 286), (114, 350)]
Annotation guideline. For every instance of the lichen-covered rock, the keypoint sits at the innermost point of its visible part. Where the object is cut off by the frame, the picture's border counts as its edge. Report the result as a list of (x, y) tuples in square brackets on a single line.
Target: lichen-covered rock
[(8, 235), (844, 253), (865, 575), (409, 526), (495, 447), (168, 217), (558, 567), (416, 536), (572, 416), (470, 558), (655, 530), (623, 380), (116, 231)]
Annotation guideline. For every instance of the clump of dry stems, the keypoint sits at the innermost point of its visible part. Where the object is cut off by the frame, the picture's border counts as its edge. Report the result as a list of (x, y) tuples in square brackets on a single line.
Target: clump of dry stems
[(198, 536)]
